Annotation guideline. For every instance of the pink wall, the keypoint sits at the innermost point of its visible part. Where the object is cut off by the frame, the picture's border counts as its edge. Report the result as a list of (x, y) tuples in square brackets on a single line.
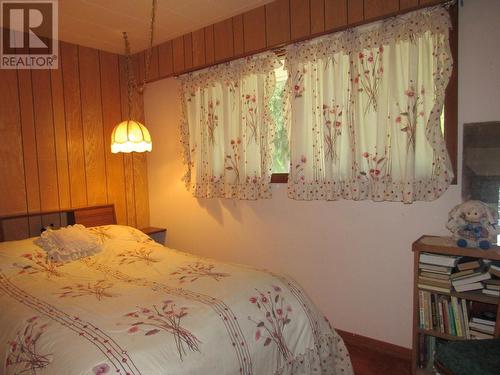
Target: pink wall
[(353, 258)]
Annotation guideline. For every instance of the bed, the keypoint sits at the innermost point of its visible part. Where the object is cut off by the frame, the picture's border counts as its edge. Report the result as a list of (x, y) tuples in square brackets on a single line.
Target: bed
[(137, 307)]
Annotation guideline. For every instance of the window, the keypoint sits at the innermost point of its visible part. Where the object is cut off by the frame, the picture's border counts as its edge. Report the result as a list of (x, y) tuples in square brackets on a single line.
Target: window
[(448, 117), (281, 156), (223, 160)]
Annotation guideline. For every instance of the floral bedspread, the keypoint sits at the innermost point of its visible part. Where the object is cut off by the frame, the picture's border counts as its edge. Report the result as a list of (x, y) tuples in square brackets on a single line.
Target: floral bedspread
[(140, 308)]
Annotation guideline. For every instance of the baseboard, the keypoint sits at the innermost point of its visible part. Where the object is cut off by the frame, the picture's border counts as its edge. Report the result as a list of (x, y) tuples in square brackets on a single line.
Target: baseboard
[(367, 343)]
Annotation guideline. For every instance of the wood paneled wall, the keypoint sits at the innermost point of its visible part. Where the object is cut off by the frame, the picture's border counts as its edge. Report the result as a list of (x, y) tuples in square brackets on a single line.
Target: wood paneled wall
[(55, 128), (269, 26)]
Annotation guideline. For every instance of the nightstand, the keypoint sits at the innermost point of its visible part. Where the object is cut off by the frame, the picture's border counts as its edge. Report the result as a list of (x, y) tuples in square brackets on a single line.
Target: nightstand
[(157, 234)]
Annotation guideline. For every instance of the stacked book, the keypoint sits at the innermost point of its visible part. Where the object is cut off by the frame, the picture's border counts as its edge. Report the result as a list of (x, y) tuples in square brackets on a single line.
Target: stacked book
[(482, 327), (492, 286), (444, 273), (443, 311), (435, 272), (471, 280)]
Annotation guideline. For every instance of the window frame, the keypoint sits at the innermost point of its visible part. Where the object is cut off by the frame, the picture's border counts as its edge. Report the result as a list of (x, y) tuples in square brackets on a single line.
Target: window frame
[(450, 105)]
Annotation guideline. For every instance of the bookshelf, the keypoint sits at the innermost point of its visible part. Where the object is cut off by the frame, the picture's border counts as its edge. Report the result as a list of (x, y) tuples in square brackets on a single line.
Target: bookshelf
[(446, 246)]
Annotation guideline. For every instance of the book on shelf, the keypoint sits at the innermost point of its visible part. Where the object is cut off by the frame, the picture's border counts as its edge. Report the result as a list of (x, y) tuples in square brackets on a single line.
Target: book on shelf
[(457, 316), (468, 263), (482, 325), (493, 284), (435, 275), (484, 328), (460, 274), (466, 318), (490, 292), (494, 269), (446, 317), (441, 313), (427, 350), (458, 298), (468, 287), (480, 335), (439, 260), (473, 278), (434, 288), (431, 351), (484, 321), (435, 269), (433, 281), (451, 319), (452, 315)]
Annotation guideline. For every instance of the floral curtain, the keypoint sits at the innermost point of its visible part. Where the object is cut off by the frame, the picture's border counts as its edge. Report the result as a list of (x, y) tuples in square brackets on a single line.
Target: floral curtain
[(227, 130), (364, 110)]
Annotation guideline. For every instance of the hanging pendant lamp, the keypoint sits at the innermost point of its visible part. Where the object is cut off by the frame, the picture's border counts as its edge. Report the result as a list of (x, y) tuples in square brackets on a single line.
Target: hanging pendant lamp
[(130, 135)]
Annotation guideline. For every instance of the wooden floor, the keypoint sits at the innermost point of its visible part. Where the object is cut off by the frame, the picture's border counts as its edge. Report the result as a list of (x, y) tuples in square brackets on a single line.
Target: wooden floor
[(368, 362), (373, 357)]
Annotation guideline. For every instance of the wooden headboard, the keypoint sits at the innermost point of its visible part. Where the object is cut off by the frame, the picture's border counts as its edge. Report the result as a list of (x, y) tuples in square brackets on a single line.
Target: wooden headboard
[(17, 227)]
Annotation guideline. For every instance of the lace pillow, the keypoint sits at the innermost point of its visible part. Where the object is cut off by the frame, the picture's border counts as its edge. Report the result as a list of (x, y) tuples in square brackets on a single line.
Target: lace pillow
[(70, 243)]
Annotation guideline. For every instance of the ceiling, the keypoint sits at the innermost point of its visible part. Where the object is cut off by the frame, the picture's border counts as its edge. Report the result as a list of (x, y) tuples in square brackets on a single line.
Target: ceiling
[(99, 24)]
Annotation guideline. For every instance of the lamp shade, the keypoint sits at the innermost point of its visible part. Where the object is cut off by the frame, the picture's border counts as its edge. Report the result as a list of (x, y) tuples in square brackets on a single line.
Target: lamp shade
[(130, 136)]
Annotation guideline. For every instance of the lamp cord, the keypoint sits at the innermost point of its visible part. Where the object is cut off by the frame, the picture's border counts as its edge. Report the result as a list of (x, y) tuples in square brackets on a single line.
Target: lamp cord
[(131, 81), (149, 52)]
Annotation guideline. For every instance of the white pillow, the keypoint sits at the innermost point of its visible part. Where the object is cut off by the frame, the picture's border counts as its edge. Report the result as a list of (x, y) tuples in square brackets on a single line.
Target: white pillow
[(70, 243), (121, 232)]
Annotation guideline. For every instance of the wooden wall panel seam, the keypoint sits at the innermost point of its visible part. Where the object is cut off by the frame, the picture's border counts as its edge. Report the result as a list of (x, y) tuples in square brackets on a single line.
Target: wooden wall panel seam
[(243, 27), (265, 26), (34, 222), (63, 152), (347, 11), (310, 23), (65, 125), (128, 166), (232, 29), (22, 142), (51, 112), (111, 112), (133, 186), (120, 78), (74, 126), (45, 140), (81, 122), (187, 40), (205, 42), (36, 142), (55, 146), (103, 127), (324, 15)]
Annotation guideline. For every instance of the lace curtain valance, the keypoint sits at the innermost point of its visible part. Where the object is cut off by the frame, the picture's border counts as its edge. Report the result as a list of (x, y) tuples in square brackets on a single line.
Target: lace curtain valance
[(364, 109), (227, 131)]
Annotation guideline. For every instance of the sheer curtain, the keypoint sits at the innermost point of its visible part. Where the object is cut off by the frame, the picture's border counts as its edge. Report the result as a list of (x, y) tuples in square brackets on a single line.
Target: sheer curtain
[(364, 110), (227, 130)]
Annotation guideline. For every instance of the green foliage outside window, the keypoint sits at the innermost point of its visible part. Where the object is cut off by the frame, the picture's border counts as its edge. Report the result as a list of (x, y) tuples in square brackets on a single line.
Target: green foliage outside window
[(281, 156)]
